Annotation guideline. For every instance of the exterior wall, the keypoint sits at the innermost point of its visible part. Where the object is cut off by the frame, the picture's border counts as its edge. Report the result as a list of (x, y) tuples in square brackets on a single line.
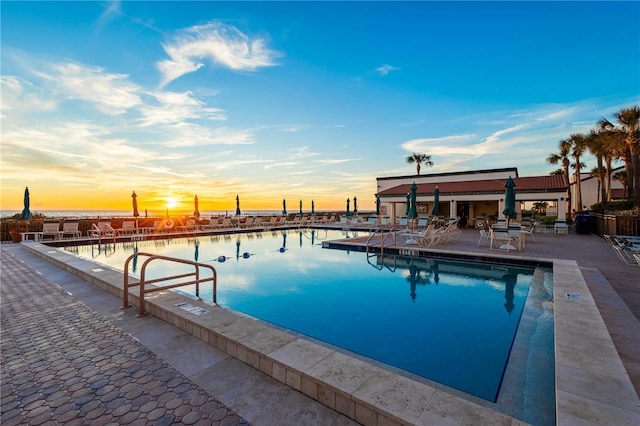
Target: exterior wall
[(390, 182), (589, 190)]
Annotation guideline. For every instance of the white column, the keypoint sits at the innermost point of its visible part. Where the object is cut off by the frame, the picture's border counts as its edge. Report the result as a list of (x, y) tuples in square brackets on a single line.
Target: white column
[(453, 209), (562, 209)]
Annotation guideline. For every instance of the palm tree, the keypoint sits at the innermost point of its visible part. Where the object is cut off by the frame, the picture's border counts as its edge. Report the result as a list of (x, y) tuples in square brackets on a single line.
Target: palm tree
[(596, 145), (562, 157), (598, 174), (621, 177), (540, 207), (629, 121), (419, 158), (576, 145), (613, 140)]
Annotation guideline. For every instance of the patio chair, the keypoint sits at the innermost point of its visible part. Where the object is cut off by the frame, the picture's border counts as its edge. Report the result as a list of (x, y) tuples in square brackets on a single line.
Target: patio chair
[(102, 230), (70, 228), (51, 229), (128, 228), (190, 225), (500, 239), (484, 235), (560, 227)]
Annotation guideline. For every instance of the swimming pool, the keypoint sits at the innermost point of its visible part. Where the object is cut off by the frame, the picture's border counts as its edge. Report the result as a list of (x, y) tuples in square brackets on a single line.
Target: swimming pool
[(449, 321)]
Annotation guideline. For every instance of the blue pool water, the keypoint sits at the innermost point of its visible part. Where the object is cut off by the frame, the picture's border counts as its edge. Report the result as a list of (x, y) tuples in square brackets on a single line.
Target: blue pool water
[(449, 321)]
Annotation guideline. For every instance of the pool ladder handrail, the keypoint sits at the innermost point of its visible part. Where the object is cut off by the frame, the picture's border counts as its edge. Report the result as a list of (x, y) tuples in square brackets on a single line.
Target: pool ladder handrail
[(381, 232), (143, 281)]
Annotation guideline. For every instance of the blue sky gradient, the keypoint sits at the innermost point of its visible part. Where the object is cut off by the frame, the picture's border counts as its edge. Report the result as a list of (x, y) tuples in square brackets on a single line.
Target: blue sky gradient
[(296, 100)]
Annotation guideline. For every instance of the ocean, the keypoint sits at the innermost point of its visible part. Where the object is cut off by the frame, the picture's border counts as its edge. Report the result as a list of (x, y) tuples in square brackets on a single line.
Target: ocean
[(80, 214)]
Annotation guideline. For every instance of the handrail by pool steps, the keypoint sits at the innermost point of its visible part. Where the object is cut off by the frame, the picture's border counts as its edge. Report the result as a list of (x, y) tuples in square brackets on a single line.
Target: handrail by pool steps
[(143, 281)]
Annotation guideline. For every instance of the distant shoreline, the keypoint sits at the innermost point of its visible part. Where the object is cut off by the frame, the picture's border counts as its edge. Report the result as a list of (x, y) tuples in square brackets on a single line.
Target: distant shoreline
[(86, 214)]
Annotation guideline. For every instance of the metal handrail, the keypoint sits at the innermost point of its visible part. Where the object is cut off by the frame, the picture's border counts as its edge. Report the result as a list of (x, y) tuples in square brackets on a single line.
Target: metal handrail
[(143, 281), (384, 236)]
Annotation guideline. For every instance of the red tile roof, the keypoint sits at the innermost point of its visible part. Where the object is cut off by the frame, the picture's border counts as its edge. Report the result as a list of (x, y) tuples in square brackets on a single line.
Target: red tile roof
[(551, 183)]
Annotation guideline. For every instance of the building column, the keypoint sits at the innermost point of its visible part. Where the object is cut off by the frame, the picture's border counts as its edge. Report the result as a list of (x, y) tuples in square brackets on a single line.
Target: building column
[(562, 209), (453, 208)]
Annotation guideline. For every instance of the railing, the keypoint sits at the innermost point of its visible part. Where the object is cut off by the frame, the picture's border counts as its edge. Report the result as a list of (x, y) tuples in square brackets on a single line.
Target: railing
[(143, 281), (612, 224), (383, 237)]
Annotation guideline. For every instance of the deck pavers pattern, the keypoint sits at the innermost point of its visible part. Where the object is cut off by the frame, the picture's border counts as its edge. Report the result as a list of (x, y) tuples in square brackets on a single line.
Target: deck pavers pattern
[(63, 364)]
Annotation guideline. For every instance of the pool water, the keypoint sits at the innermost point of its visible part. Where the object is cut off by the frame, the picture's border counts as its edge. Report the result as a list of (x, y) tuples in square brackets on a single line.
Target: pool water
[(452, 322)]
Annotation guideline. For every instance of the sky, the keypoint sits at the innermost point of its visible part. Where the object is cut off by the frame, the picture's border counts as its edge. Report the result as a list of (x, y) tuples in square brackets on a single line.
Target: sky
[(294, 100)]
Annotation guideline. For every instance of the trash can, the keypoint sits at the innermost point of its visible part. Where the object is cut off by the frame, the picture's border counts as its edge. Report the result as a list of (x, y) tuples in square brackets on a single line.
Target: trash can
[(583, 224)]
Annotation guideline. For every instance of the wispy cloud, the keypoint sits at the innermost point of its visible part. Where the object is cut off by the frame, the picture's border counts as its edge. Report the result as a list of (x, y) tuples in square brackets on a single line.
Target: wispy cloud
[(112, 94), (386, 69), (219, 43), (174, 107)]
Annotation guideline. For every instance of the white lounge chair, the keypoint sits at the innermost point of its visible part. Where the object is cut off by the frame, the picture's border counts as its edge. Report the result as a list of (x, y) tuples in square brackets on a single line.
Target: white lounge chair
[(51, 229), (70, 228), (128, 228), (102, 230)]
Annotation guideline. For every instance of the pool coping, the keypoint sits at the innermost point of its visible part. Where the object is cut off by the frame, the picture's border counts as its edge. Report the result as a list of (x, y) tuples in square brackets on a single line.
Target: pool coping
[(591, 390)]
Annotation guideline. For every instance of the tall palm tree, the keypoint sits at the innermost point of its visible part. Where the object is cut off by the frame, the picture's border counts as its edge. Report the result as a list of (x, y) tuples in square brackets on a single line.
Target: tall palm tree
[(629, 121), (576, 145), (598, 174), (596, 145), (613, 140), (621, 177), (418, 159), (562, 157)]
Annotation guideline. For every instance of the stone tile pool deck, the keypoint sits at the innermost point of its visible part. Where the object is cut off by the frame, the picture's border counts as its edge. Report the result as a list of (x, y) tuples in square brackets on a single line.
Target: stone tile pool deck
[(597, 348)]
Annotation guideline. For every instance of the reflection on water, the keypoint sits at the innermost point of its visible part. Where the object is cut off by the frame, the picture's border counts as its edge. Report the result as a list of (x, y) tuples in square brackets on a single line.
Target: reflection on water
[(450, 321)]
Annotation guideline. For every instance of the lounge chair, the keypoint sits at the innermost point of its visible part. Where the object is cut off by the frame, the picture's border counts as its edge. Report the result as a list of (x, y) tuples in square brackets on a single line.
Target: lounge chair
[(248, 222), (190, 225), (226, 223), (423, 222), (51, 229), (70, 228), (128, 228), (102, 230)]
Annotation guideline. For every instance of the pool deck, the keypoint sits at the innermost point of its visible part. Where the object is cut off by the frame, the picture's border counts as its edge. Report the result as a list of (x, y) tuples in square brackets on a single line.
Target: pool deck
[(293, 380)]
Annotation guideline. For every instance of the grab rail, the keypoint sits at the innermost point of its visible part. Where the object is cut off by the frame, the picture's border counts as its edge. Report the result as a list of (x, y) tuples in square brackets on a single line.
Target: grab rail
[(383, 236), (143, 281)]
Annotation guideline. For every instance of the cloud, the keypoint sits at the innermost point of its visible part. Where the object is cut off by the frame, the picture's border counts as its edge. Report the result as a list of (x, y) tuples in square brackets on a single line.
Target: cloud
[(174, 107), (221, 44), (18, 98), (386, 69), (112, 94)]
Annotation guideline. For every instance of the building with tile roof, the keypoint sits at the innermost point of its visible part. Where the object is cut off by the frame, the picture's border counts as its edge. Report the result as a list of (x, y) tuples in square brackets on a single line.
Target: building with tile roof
[(471, 194)]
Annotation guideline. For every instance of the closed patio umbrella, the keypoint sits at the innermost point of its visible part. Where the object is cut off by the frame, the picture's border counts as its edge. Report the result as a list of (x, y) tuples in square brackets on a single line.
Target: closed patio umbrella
[(196, 212), (313, 207), (355, 205), (413, 210), (408, 204), (284, 207), (134, 199), (300, 206), (509, 200), (377, 205), (436, 203), (348, 213), (237, 206), (26, 213)]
